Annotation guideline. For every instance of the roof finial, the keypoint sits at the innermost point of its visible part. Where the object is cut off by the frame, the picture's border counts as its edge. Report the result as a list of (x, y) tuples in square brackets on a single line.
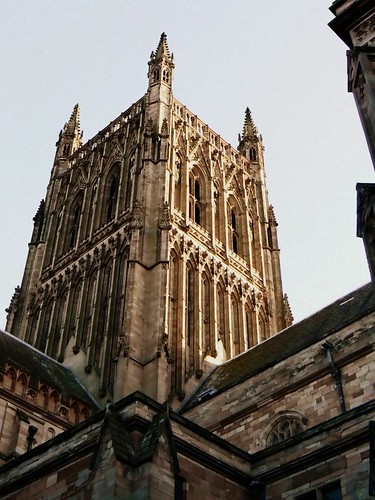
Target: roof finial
[(249, 128), (162, 49), (73, 125)]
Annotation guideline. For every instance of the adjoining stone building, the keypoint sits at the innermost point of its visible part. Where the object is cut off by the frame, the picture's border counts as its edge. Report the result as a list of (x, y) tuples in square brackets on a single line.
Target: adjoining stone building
[(154, 275)]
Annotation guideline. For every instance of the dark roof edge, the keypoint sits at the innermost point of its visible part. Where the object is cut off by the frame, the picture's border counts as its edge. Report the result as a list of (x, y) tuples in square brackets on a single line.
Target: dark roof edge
[(191, 403)]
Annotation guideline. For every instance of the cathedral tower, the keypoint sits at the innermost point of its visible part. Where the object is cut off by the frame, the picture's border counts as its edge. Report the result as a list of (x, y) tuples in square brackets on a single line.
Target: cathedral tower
[(155, 252)]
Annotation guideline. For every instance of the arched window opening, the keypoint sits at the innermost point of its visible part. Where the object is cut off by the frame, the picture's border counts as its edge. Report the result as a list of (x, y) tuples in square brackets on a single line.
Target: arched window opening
[(234, 230), (190, 297), (166, 76), (130, 180), (57, 333), (89, 311), (235, 326), (74, 222), (45, 328), (206, 330), (177, 183), (74, 228), (93, 201), (66, 150), (112, 197), (74, 315), (253, 154), (103, 313), (195, 201), (284, 429), (217, 213), (221, 316), (156, 75), (248, 329)]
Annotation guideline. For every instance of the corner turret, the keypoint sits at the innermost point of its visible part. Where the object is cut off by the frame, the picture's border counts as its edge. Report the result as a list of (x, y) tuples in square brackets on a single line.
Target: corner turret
[(161, 65), (70, 137), (250, 143)]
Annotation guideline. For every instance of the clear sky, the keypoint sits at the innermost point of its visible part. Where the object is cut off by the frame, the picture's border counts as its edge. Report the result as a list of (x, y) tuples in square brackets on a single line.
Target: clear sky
[(277, 57)]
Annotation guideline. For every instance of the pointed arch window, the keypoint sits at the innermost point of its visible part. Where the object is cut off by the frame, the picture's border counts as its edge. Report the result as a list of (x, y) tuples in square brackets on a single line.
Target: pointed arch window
[(236, 325), (221, 313), (66, 149), (234, 230), (165, 76), (249, 328), (89, 310), (190, 314), (45, 327), (284, 428), (253, 154), (130, 180), (195, 199), (74, 220), (206, 326), (156, 75), (93, 202), (112, 189)]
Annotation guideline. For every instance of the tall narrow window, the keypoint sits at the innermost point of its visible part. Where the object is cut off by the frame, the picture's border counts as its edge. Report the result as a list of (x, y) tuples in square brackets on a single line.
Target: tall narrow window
[(93, 200), (235, 326), (190, 296), (103, 313), (221, 316), (74, 220), (112, 198), (60, 304), (45, 327), (206, 314), (249, 330), (74, 228), (195, 200), (89, 311), (130, 180), (156, 75), (234, 230), (253, 154), (74, 315)]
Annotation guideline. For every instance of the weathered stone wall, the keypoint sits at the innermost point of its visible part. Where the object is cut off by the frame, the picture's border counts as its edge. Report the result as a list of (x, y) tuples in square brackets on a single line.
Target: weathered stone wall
[(301, 386)]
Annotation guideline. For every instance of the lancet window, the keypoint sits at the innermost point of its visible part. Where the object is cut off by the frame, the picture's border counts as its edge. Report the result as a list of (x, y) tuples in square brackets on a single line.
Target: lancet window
[(195, 199), (57, 330), (234, 229), (253, 154), (130, 180), (74, 220), (89, 310), (235, 317), (104, 303), (112, 189), (249, 328), (221, 315), (206, 326), (45, 327), (190, 306)]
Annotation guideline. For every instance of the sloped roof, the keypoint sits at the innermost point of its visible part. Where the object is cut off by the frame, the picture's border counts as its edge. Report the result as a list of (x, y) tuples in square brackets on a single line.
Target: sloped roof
[(288, 342), (42, 369)]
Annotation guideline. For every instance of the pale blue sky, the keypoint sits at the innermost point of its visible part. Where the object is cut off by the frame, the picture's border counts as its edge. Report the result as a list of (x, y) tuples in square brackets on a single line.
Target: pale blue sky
[(278, 58)]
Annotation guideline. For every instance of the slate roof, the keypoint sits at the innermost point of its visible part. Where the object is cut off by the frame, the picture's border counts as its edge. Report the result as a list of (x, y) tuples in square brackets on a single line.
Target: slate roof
[(288, 342), (42, 369)]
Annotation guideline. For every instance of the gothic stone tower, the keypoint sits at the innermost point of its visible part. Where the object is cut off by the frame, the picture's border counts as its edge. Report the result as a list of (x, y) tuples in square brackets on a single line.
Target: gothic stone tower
[(155, 251)]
